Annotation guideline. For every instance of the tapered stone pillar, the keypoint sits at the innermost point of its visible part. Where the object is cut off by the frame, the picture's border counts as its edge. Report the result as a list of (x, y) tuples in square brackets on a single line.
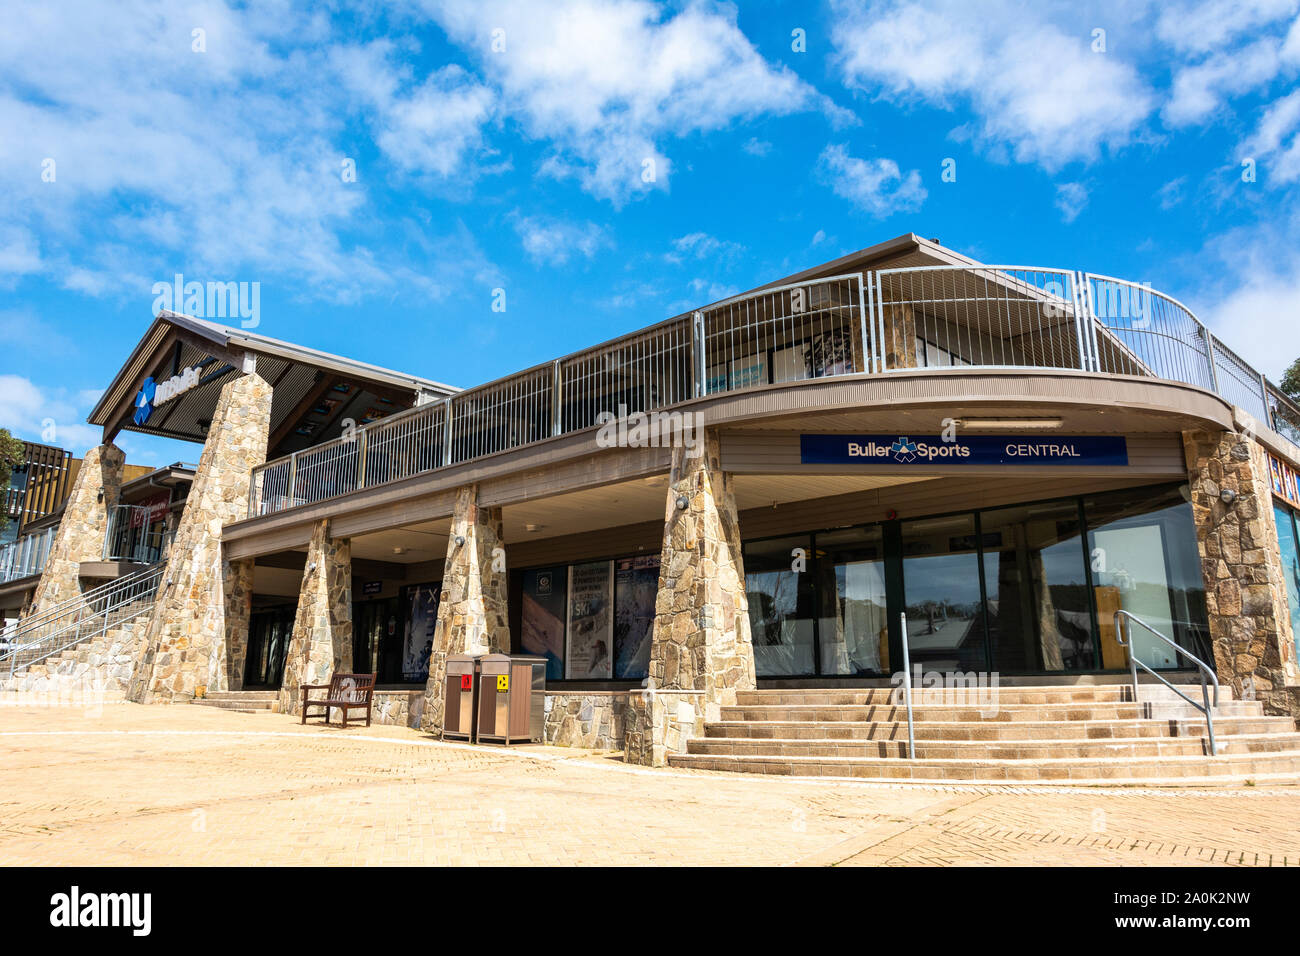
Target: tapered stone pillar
[(82, 528), (321, 642), (701, 638), (185, 650), (239, 608), (472, 608), (1245, 591)]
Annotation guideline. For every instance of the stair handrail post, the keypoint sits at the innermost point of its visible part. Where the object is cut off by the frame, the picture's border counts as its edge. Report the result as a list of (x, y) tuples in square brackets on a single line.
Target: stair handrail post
[(1123, 634), (907, 688)]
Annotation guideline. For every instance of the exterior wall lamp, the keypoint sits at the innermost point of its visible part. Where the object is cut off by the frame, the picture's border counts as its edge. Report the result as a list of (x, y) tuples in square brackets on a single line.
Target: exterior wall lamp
[(1228, 497), (682, 503), (460, 541)]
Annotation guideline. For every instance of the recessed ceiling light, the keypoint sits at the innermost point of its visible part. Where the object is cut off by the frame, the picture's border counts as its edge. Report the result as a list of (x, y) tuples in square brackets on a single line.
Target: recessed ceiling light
[(1020, 423)]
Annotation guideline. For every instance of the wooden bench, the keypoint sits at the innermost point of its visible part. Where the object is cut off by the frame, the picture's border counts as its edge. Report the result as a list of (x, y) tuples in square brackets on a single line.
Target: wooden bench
[(344, 691)]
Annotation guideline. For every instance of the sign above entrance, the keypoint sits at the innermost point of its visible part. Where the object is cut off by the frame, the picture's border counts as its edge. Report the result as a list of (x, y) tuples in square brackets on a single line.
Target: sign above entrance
[(1092, 450), (153, 394)]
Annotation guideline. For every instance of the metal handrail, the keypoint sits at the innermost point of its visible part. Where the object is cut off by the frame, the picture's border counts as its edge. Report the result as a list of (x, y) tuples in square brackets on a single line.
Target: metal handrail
[(907, 689), (1123, 619), (83, 617)]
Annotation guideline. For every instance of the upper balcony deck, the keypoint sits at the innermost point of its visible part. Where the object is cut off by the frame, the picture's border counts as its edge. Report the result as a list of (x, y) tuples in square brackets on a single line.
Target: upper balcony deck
[(873, 322)]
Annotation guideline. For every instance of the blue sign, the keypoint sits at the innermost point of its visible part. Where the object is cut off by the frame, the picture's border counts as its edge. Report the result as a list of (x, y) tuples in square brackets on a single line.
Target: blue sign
[(1091, 450), (144, 401)]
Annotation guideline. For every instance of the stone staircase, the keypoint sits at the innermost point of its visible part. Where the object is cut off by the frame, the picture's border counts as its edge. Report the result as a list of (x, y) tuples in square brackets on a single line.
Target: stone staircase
[(240, 701), (100, 666), (1087, 735)]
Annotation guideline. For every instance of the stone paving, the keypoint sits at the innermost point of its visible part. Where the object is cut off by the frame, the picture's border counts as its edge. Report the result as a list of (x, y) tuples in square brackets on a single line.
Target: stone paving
[(179, 784)]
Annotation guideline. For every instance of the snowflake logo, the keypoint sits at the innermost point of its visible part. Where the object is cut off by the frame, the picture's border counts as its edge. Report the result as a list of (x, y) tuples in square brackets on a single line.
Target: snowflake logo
[(904, 451)]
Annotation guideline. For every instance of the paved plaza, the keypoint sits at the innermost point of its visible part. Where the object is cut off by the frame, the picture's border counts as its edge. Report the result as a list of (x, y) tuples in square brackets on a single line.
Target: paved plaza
[(190, 785)]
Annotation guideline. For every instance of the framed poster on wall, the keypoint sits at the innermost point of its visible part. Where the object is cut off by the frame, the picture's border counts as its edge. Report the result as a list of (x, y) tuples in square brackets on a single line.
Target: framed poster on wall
[(589, 651), (636, 583), (542, 617), (417, 643)]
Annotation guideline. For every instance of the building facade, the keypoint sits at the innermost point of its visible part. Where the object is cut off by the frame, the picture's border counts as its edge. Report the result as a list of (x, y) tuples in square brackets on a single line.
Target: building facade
[(900, 450)]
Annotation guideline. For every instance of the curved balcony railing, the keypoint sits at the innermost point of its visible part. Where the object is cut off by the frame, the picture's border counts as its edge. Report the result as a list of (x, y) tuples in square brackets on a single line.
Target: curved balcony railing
[(875, 322)]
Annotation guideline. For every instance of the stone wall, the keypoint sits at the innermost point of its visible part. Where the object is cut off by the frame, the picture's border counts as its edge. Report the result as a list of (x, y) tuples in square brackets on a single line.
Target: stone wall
[(321, 642), (399, 708), (701, 638), (900, 336), (239, 604), (590, 721), (82, 528), (185, 651), (1250, 626), (660, 723), (472, 608)]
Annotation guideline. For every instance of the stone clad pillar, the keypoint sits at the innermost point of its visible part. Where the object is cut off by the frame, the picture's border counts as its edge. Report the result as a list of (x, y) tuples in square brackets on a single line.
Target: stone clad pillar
[(321, 642), (472, 607), (82, 528), (185, 649), (1245, 591), (239, 608), (701, 639)]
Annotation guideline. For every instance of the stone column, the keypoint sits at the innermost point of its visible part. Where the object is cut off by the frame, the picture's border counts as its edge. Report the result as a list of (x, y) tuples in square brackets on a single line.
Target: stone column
[(472, 607), (238, 585), (321, 641), (185, 650), (701, 638), (82, 528), (1245, 591)]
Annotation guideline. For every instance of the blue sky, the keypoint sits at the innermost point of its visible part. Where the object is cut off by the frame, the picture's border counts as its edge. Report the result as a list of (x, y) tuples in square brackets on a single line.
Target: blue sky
[(508, 145)]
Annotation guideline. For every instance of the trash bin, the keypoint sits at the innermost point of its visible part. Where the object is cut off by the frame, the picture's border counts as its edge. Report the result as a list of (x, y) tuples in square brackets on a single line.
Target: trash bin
[(512, 698), (461, 689)]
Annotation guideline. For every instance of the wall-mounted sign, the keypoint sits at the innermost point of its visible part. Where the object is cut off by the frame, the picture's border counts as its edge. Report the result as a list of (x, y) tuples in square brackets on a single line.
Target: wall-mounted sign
[(151, 510), (152, 394), (372, 587), (1091, 450)]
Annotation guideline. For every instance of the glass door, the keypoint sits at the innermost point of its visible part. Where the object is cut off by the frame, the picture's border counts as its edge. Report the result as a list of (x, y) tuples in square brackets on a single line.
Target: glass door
[(852, 621), (942, 594), (268, 641)]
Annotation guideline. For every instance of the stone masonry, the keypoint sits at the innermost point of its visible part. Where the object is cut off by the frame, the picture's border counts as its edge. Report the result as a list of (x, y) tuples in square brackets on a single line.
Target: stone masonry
[(239, 605), (321, 642), (82, 528), (185, 652), (701, 639), (472, 608), (1245, 590)]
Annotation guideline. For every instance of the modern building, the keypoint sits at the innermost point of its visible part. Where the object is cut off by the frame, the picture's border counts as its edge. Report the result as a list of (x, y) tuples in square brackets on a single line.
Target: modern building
[(135, 528), (902, 451)]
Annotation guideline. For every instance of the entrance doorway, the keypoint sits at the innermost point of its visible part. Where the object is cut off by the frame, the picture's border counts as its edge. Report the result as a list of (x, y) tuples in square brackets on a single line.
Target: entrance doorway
[(268, 641), (377, 639)]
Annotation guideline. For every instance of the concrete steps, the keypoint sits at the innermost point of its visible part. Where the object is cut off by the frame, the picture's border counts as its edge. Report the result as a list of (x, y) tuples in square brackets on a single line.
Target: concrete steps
[(240, 701), (1093, 734)]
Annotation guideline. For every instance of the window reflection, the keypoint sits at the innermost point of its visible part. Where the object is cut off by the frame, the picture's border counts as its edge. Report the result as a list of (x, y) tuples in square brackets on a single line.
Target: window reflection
[(852, 631), (1039, 615), (780, 606), (941, 580)]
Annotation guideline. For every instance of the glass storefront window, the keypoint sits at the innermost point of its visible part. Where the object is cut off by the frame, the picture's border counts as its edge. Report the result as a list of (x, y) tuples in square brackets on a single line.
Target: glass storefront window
[(1289, 542), (1142, 544), (852, 628), (943, 603), (545, 602), (781, 616), (1039, 616)]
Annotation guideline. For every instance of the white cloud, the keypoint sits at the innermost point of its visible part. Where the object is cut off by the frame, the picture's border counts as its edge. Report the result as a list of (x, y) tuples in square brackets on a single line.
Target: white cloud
[(1199, 90), (1257, 318), (876, 186), (1034, 88), (1204, 26), (1275, 143), (555, 241), (757, 147), (52, 418), (1070, 200), (701, 245), (610, 83)]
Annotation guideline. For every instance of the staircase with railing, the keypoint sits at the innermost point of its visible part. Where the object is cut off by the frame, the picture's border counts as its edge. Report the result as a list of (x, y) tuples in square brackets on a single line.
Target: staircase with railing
[(72, 623)]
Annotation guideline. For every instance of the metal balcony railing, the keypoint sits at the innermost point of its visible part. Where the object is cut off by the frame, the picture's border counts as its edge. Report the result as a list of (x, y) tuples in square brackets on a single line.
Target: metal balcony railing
[(26, 556), (874, 322), (136, 533)]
